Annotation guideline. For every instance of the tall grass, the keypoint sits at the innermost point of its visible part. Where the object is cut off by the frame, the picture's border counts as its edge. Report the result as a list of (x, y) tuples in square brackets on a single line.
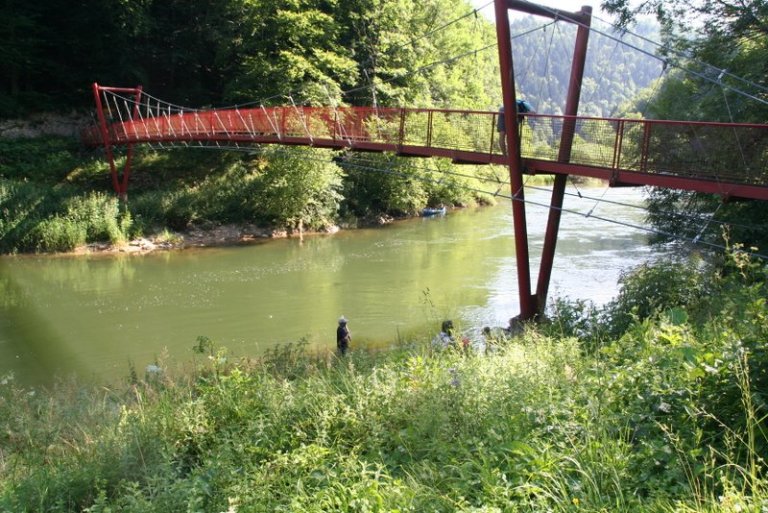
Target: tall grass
[(536, 426), (44, 219)]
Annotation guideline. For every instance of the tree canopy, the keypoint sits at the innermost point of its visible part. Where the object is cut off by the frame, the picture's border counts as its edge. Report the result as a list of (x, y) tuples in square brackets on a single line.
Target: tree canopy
[(234, 51), (718, 53)]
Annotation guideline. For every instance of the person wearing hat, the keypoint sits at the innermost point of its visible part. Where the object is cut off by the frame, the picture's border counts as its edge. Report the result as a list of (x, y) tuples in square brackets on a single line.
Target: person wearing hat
[(343, 338)]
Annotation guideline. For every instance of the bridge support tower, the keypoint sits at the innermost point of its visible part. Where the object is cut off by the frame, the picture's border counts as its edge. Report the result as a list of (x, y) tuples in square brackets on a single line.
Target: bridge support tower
[(532, 305), (120, 184)]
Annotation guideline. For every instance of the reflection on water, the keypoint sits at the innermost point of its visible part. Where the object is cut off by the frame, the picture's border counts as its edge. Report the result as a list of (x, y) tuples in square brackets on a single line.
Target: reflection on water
[(94, 315)]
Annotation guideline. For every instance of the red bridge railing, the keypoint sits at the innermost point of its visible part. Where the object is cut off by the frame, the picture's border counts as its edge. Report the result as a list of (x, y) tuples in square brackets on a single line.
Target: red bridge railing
[(728, 159)]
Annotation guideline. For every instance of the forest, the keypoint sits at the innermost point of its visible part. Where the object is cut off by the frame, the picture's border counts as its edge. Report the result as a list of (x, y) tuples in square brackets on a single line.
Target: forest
[(616, 70), (356, 52)]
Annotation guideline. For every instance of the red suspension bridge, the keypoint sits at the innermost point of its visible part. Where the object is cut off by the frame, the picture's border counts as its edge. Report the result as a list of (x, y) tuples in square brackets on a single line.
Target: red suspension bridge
[(727, 159)]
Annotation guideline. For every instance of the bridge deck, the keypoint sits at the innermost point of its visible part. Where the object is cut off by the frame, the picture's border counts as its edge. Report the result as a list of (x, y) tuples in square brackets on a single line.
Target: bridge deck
[(718, 158)]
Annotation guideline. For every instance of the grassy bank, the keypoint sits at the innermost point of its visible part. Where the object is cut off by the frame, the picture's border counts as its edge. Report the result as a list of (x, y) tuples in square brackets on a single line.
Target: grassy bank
[(665, 414), (56, 195)]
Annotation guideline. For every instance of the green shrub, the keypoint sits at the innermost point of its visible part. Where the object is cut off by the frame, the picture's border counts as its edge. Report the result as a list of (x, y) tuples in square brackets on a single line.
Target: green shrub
[(279, 187), (301, 188), (579, 318), (57, 234), (652, 288), (100, 215)]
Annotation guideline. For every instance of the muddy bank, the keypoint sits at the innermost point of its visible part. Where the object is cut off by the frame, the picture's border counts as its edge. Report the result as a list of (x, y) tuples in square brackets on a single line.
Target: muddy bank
[(224, 235)]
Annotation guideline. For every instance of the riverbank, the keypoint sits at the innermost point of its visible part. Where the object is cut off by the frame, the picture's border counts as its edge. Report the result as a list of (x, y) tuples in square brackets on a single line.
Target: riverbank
[(223, 235), (56, 197), (548, 421), (226, 235)]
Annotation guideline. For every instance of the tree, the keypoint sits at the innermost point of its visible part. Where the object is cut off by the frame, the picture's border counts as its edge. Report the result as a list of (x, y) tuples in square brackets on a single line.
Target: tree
[(720, 51), (52, 51), (407, 53), (290, 50)]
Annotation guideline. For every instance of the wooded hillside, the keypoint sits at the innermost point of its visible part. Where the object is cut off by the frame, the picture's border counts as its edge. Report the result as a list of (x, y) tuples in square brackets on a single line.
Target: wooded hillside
[(615, 72), (235, 51), (358, 52)]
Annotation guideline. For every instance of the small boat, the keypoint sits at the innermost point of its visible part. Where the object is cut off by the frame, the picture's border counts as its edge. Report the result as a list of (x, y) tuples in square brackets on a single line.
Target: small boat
[(433, 211)]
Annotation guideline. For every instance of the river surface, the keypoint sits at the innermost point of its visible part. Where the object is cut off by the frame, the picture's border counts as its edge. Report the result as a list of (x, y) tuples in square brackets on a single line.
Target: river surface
[(98, 316)]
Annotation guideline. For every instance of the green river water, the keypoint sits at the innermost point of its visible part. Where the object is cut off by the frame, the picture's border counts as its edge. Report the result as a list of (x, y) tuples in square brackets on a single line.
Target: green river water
[(96, 316)]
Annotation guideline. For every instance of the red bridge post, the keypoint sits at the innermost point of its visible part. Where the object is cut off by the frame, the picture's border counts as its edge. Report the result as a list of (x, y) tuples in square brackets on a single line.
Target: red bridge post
[(120, 186), (564, 155), (528, 306), (129, 157), (105, 138)]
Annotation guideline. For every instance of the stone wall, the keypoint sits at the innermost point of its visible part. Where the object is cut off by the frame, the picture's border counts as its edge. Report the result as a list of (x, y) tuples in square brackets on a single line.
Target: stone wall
[(67, 125)]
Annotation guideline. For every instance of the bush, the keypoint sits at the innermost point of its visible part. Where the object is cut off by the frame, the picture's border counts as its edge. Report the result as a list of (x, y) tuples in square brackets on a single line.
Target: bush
[(399, 186), (380, 183), (652, 288), (280, 187), (101, 217), (57, 234), (23, 206), (577, 318)]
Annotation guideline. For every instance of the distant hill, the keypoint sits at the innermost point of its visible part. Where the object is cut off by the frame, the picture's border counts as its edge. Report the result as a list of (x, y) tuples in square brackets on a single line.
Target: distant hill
[(614, 74)]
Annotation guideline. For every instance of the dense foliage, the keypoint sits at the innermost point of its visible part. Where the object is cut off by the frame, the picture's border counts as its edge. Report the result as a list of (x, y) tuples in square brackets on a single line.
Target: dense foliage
[(667, 415), (360, 52), (717, 53), (227, 51), (54, 196)]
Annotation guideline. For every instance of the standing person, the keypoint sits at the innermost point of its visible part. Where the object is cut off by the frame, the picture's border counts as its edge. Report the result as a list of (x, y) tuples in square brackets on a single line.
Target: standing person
[(343, 337), (488, 340), (501, 127), (523, 108)]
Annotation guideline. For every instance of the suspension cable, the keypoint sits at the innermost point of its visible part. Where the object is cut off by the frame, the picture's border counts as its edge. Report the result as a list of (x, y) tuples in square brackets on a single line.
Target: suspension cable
[(735, 133), (695, 241)]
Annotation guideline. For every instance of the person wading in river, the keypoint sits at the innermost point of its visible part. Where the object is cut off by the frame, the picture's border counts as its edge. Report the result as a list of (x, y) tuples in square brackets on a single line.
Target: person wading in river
[(343, 337)]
